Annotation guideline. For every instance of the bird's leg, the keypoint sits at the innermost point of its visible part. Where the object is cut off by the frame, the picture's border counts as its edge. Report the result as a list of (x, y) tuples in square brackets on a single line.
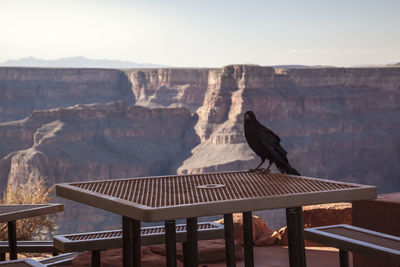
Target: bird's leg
[(267, 170), (256, 169)]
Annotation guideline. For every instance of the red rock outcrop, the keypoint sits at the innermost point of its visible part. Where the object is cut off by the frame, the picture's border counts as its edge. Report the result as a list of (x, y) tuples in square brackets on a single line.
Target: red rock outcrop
[(320, 215), (209, 251), (262, 235), (113, 257), (327, 214)]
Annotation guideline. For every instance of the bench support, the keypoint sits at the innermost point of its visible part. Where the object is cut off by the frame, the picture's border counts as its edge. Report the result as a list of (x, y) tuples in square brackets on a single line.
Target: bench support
[(295, 228), (343, 258), (229, 241)]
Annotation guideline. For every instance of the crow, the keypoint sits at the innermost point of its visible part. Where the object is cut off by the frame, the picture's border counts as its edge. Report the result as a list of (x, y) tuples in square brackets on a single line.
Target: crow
[(266, 144)]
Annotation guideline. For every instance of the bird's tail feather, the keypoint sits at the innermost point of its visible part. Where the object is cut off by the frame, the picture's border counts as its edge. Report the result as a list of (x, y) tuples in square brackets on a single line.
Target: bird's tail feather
[(293, 171), (286, 168)]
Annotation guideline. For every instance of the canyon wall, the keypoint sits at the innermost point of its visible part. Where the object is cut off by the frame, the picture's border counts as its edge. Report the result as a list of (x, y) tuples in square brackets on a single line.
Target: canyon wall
[(23, 90), (339, 123), (91, 142), (335, 123)]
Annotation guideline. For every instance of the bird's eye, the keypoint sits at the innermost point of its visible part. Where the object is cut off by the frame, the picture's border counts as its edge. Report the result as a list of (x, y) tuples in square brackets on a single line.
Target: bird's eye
[(247, 117)]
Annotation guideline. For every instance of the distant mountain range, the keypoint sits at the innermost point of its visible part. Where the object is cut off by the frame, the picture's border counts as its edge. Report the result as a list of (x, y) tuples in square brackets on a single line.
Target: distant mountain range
[(302, 66), (78, 62), (84, 62), (395, 65)]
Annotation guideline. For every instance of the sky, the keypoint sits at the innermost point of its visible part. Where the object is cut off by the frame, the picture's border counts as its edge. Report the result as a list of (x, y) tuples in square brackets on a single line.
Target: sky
[(204, 33)]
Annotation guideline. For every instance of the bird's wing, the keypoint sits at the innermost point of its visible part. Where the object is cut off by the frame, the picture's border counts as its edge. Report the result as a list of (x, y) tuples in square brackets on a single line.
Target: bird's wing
[(267, 133), (272, 142)]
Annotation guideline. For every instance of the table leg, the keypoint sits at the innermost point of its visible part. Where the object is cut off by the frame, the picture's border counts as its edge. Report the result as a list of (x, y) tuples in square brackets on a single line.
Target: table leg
[(170, 243), (131, 242), (12, 239), (96, 258), (248, 239), (191, 234), (343, 258), (295, 228), (186, 256), (229, 241)]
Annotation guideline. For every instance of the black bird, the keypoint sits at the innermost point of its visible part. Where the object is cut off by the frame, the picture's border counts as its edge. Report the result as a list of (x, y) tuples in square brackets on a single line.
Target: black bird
[(266, 144)]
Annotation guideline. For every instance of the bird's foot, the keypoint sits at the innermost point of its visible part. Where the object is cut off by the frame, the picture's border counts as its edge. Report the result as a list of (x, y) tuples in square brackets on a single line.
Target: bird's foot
[(260, 170), (265, 171)]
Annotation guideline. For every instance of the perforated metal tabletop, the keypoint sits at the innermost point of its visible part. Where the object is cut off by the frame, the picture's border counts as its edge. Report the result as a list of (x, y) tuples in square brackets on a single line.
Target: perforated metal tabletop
[(185, 196)]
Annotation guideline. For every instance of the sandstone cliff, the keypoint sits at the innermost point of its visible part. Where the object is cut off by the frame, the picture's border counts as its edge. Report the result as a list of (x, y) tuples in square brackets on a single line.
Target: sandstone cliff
[(334, 122)]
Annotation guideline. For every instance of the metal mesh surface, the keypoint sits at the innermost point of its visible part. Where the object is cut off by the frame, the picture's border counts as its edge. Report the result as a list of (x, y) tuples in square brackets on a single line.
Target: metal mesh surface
[(364, 237), (144, 231), (204, 188)]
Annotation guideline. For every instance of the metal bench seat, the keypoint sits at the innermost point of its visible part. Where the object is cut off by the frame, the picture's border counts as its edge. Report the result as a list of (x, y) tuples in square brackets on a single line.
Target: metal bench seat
[(97, 241), (31, 246), (22, 263), (350, 238), (63, 259)]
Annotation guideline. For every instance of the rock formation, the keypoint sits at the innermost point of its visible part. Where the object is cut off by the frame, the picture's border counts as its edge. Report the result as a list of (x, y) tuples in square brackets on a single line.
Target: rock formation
[(94, 141), (23, 90), (334, 122)]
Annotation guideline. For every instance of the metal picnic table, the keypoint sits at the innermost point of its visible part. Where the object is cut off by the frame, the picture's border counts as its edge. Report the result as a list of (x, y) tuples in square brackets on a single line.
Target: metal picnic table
[(167, 198), (11, 213)]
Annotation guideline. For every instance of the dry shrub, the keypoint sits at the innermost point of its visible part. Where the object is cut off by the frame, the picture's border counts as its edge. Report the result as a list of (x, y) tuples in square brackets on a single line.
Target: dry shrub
[(35, 228)]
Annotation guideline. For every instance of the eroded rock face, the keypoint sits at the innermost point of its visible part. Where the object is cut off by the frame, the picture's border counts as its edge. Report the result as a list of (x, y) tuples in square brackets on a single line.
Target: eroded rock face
[(169, 87), (335, 123), (262, 235), (97, 141), (320, 215)]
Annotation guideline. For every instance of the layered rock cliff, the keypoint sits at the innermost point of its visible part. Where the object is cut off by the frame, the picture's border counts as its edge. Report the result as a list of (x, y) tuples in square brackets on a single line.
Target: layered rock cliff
[(23, 90), (334, 122), (169, 87)]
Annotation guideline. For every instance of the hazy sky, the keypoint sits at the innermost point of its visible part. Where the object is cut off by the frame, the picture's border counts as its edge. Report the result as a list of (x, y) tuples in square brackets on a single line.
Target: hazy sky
[(204, 33)]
